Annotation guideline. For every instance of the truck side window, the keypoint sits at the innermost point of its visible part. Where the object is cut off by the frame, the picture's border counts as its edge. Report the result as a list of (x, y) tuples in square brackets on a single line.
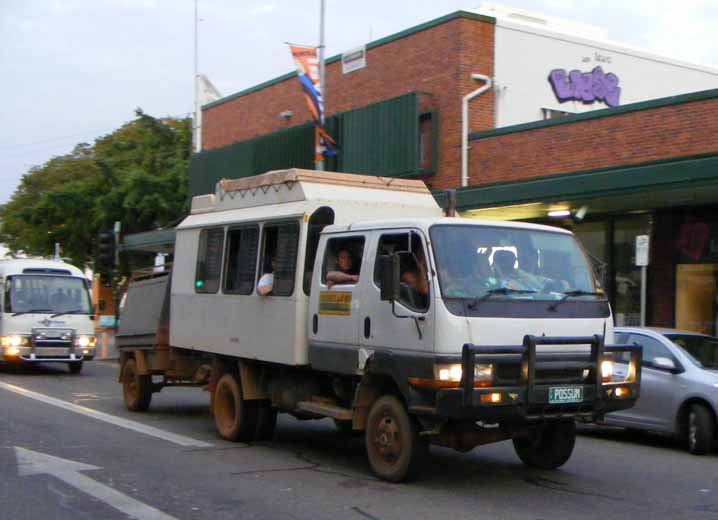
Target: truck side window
[(414, 291), (241, 260), (342, 261), (280, 245), (209, 260), (321, 218)]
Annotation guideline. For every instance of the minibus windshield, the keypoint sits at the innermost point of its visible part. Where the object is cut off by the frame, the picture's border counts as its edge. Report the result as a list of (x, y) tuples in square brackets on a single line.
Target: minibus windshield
[(46, 294)]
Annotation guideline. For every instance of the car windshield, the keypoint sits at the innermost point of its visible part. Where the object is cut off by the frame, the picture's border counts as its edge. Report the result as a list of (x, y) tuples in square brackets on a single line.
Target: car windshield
[(492, 262), (703, 350), (46, 294)]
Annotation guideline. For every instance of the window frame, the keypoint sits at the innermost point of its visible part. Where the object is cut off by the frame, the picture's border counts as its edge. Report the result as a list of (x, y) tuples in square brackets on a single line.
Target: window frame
[(240, 227), (204, 232)]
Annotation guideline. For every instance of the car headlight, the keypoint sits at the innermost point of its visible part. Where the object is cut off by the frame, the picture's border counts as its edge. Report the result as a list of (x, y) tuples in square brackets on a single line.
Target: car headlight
[(451, 373), (14, 340), (85, 341)]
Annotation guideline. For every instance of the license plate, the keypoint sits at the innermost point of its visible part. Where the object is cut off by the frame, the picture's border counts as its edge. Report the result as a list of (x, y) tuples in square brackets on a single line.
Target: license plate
[(565, 394)]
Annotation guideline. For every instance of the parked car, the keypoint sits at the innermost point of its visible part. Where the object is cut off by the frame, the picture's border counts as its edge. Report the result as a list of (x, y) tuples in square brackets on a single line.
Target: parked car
[(679, 386)]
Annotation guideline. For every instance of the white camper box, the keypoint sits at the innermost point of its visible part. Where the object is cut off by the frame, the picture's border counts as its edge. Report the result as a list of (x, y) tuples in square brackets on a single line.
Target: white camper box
[(246, 326)]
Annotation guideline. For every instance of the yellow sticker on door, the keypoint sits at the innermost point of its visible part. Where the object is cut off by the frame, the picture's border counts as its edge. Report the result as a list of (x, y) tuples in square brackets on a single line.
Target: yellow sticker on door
[(335, 303)]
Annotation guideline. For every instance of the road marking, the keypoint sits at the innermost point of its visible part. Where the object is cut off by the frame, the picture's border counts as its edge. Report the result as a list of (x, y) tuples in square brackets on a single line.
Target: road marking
[(101, 416), (34, 463)]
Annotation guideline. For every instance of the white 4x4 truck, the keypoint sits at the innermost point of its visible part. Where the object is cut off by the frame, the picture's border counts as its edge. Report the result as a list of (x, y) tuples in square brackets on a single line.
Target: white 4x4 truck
[(383, 315)]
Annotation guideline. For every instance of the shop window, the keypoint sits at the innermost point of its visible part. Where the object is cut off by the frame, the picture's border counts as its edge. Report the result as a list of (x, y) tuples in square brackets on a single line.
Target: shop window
[(279, 256), (321, 218), (342, 261), (241, 260), (209, 260), (626, 275)]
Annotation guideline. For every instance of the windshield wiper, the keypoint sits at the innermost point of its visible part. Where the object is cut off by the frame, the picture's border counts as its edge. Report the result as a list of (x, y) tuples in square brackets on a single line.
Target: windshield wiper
[(31, 311), (74, 311), (500, 290), (568, 294)]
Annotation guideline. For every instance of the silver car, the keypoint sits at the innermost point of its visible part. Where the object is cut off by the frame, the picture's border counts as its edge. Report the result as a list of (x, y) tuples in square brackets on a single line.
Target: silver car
[(679, 385)]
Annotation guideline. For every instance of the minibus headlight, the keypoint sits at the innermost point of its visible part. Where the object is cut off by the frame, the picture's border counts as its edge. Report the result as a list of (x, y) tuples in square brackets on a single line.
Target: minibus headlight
[(15, 340), (85, 341)]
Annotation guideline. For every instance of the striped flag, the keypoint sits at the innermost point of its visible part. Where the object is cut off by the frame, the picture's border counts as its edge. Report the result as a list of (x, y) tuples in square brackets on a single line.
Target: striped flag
[(308, 73)]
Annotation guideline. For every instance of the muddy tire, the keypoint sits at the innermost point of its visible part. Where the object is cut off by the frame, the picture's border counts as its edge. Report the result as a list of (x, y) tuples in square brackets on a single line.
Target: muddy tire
[(266, 420), (136, 388), (393, 445), (701, 430), (234, 418), (75, 367), (548, 445)]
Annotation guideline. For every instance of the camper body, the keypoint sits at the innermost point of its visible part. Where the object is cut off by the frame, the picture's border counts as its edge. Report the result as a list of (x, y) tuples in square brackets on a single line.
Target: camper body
[(448, 331)]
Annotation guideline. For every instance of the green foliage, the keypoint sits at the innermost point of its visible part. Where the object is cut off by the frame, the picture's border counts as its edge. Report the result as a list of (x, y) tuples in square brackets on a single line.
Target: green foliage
[(136, 175)]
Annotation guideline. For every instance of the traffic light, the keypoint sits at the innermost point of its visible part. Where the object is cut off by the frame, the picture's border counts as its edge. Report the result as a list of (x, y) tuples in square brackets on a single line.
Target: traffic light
[(105, 259)]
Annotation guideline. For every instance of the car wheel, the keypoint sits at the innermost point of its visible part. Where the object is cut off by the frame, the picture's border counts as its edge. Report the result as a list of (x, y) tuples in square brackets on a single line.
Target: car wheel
[(701, 430), (547, 446)]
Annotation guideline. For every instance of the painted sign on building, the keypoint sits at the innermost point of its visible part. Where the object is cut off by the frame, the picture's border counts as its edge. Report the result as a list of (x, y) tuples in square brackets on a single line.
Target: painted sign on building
[(354, 59), (587, 87)]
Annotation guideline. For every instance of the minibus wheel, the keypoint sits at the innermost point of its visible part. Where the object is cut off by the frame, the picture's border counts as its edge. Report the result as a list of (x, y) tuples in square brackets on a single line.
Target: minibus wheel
[(75, 367), (548, 445)]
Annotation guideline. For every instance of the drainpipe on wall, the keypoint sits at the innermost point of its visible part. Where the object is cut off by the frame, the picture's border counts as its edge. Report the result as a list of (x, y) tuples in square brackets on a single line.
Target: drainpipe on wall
[(465, 124)]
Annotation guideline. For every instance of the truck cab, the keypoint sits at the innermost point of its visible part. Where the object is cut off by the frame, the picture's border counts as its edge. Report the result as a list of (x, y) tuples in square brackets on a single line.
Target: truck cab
[(46, 314)]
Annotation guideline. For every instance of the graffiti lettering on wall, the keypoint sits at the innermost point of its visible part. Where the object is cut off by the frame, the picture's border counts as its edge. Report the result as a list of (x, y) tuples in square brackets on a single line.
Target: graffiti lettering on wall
[(586, 87)]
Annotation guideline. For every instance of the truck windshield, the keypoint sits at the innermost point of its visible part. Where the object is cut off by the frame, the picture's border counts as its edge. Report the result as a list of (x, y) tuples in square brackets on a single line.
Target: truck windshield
[(46, 294), (703, 350), (487, 262)]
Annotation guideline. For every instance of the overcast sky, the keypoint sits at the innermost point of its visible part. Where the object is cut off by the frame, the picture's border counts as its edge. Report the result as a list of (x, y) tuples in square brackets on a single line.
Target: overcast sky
[(73, 70)]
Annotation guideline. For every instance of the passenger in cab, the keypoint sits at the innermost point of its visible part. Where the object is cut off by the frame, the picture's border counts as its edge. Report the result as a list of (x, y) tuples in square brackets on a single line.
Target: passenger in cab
[(347, 269)]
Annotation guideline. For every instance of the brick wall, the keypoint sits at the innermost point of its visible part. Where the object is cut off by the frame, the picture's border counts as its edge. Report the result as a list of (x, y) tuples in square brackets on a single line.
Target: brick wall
[(667, 132), (437, 61)]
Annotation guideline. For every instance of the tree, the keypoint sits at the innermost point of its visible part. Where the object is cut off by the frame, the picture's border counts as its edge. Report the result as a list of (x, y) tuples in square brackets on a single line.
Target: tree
[(136, 175)]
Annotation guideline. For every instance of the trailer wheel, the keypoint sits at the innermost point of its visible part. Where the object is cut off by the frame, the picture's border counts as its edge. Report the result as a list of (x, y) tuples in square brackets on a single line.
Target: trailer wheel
[(136, 388), (548, 445), (266, 420), (701, 430), (393, 445), (235, 418), (75, 367)]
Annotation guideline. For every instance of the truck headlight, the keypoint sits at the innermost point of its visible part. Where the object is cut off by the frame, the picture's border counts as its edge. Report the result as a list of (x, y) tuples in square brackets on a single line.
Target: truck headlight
[(14, 340), (606, 370), (85, 341), (483, 373)]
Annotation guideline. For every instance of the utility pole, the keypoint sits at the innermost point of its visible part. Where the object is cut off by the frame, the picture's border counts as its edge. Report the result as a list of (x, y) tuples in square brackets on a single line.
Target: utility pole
[(196, 139), (322, 89)]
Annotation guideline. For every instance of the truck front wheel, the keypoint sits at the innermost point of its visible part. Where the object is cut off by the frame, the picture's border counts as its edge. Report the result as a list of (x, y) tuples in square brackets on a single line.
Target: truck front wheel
[(136, 388), (393, 445), (234, 418), (548, 445)]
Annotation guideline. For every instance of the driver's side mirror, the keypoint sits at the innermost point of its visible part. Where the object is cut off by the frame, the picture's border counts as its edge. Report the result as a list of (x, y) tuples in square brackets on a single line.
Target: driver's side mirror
[(389, 276), (664, 363)]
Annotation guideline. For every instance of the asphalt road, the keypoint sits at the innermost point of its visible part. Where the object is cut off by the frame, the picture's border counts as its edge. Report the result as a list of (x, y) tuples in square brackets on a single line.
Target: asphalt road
[(308, 472)]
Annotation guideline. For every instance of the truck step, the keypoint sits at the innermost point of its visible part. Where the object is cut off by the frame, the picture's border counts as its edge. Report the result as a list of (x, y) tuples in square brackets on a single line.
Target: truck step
[(325, 409)]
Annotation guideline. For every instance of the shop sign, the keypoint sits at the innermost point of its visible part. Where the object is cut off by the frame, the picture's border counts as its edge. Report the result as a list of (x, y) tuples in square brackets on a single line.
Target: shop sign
[(587, 87), (354, 59)]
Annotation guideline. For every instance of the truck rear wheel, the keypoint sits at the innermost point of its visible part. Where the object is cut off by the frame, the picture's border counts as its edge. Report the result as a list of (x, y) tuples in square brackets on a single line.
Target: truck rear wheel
[(547, 445), (266, 420), (393, 445), (235, 419), (136, 388)]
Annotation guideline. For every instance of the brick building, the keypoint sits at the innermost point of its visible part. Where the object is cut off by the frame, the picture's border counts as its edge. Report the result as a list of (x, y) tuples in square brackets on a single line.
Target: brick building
[(568, 122)]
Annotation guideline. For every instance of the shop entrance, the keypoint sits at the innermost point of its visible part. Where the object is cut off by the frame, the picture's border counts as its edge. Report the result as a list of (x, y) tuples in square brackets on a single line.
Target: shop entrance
[(697, 297)]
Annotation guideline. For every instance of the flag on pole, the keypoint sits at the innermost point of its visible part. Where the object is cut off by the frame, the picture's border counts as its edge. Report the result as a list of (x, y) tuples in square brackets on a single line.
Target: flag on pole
[(308, 73)]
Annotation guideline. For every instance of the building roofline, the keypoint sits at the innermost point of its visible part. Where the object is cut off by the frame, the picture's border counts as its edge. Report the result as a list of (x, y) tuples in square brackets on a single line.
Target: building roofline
[(598, 114), (371, 45)]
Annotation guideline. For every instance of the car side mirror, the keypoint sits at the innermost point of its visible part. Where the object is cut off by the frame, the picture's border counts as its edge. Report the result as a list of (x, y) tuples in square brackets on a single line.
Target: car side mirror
[(389, 277), (664, 363)]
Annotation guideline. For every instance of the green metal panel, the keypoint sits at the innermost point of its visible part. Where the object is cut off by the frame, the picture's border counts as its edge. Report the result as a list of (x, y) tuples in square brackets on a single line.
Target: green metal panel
[(382, 139)]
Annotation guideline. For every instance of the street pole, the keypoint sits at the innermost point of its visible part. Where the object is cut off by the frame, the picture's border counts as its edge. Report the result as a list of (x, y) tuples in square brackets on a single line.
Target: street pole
[(196, 140), (322, 90)]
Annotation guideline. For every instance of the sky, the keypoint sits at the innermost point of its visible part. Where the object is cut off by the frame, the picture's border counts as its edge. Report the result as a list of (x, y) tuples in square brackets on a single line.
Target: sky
[(75, 70)]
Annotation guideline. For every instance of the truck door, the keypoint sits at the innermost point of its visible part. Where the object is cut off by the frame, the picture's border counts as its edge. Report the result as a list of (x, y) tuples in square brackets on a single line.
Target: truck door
[(334, 302), (410, 326)]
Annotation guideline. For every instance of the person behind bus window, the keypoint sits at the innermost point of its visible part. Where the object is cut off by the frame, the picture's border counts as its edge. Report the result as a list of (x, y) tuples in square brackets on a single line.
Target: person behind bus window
[(266, 281), (347, 271)]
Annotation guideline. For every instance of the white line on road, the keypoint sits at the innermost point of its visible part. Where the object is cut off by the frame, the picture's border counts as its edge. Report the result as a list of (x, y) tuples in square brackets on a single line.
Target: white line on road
[(101, 416), (34, 463)]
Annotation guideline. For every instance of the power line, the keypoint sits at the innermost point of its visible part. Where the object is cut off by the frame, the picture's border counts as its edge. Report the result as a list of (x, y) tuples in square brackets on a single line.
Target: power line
[(53, 139)]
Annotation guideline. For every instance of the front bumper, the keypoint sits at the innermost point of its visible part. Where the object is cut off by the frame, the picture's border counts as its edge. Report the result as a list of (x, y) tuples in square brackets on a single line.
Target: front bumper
[(32, 354), (529, 398)]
